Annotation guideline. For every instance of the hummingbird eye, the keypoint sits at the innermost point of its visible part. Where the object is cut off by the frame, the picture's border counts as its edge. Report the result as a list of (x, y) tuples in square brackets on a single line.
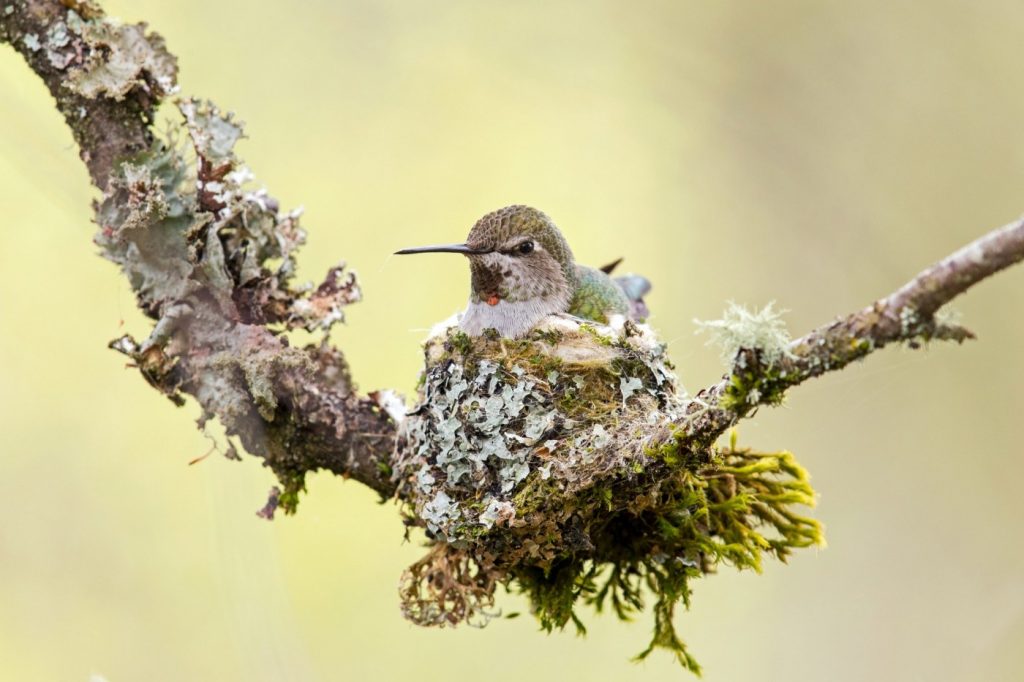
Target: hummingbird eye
[(525, 248)]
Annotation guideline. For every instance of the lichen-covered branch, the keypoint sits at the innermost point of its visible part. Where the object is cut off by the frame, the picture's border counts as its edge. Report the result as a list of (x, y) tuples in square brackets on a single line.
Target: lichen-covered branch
[(210, 259), (910, 315), (564, 465), (106, 81)]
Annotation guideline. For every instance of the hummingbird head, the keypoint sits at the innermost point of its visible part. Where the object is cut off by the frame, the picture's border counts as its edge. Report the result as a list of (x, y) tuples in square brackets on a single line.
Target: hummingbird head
[(522, 256), (521, 266)]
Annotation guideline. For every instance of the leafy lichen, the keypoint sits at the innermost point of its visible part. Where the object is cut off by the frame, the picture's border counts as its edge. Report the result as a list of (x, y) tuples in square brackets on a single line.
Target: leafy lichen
[(122, 57), (212, 259)]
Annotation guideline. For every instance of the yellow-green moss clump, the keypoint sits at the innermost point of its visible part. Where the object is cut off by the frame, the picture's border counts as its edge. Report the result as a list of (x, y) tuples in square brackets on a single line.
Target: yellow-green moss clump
[(530, 467)]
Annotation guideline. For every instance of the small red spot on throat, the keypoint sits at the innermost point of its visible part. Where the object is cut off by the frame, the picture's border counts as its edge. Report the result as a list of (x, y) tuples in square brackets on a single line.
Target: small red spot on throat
[(493, 299)]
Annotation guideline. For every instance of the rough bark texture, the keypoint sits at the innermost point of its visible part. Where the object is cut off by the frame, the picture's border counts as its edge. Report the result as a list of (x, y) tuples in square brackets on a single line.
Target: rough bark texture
[(105, 129)]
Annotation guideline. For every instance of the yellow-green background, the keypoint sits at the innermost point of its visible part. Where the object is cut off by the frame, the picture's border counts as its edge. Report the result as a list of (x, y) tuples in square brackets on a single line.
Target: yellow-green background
[(815, 153)]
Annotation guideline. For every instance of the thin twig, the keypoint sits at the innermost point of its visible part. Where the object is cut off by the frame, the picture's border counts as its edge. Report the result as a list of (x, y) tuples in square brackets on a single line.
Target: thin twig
[(906, 315)]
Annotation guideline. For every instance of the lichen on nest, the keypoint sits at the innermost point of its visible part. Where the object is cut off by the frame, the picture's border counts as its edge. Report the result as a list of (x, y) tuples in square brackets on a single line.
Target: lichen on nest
[(550, 408), (529, 464)]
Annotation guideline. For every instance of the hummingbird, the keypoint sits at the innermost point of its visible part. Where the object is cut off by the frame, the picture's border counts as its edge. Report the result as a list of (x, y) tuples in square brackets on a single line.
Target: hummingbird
[(522, 270)]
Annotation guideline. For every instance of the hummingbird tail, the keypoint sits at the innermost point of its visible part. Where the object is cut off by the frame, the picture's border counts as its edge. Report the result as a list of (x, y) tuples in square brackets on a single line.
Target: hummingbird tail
[(635, 287)]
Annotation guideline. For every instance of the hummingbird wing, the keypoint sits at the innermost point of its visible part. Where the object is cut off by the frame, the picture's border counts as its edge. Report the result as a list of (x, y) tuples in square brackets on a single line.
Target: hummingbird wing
[(596, 296)]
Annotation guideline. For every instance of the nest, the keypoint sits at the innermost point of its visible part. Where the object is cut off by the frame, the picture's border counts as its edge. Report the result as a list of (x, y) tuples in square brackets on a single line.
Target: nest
[(529, 464)]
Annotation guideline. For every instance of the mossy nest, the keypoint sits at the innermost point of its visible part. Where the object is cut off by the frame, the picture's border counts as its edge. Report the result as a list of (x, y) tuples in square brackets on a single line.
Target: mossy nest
[(530, 466)]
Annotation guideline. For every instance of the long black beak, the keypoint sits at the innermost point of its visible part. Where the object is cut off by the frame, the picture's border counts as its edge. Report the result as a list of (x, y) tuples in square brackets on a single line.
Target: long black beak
[(442, 248)]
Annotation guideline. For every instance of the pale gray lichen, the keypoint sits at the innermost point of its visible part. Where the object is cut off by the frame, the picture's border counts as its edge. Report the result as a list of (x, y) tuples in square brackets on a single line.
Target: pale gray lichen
[(440, 512), (948, 316), (573, 403), (910, 321), (75, 23), (31, 41), (741, 328), (122, 57), (496, 511), (144, 219), (466, 427), (214, 135), (201, 259), (535, 463), (323, 307), (628, 386), (57, 37)]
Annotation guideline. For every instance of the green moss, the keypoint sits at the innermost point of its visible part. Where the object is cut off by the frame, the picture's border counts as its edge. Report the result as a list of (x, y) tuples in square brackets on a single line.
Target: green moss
[(600, 338), (598, 520), (292, 484), (734, 511), (630, 366), (749, 388), (674, 451), (459, 342), (670, 582), (553, 591), (549, 336), (534, 493)]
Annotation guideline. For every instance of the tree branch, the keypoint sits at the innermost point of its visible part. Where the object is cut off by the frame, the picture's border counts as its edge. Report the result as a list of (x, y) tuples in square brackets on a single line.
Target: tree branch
[(908, 315), (201, 262), (105, 128)]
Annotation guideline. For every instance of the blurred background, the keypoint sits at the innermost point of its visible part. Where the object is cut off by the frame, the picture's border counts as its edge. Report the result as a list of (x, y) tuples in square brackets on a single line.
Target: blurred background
[(813, 153)]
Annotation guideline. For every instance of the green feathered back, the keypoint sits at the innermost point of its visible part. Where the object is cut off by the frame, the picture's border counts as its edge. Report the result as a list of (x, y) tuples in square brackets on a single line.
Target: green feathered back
[(597, 296)]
